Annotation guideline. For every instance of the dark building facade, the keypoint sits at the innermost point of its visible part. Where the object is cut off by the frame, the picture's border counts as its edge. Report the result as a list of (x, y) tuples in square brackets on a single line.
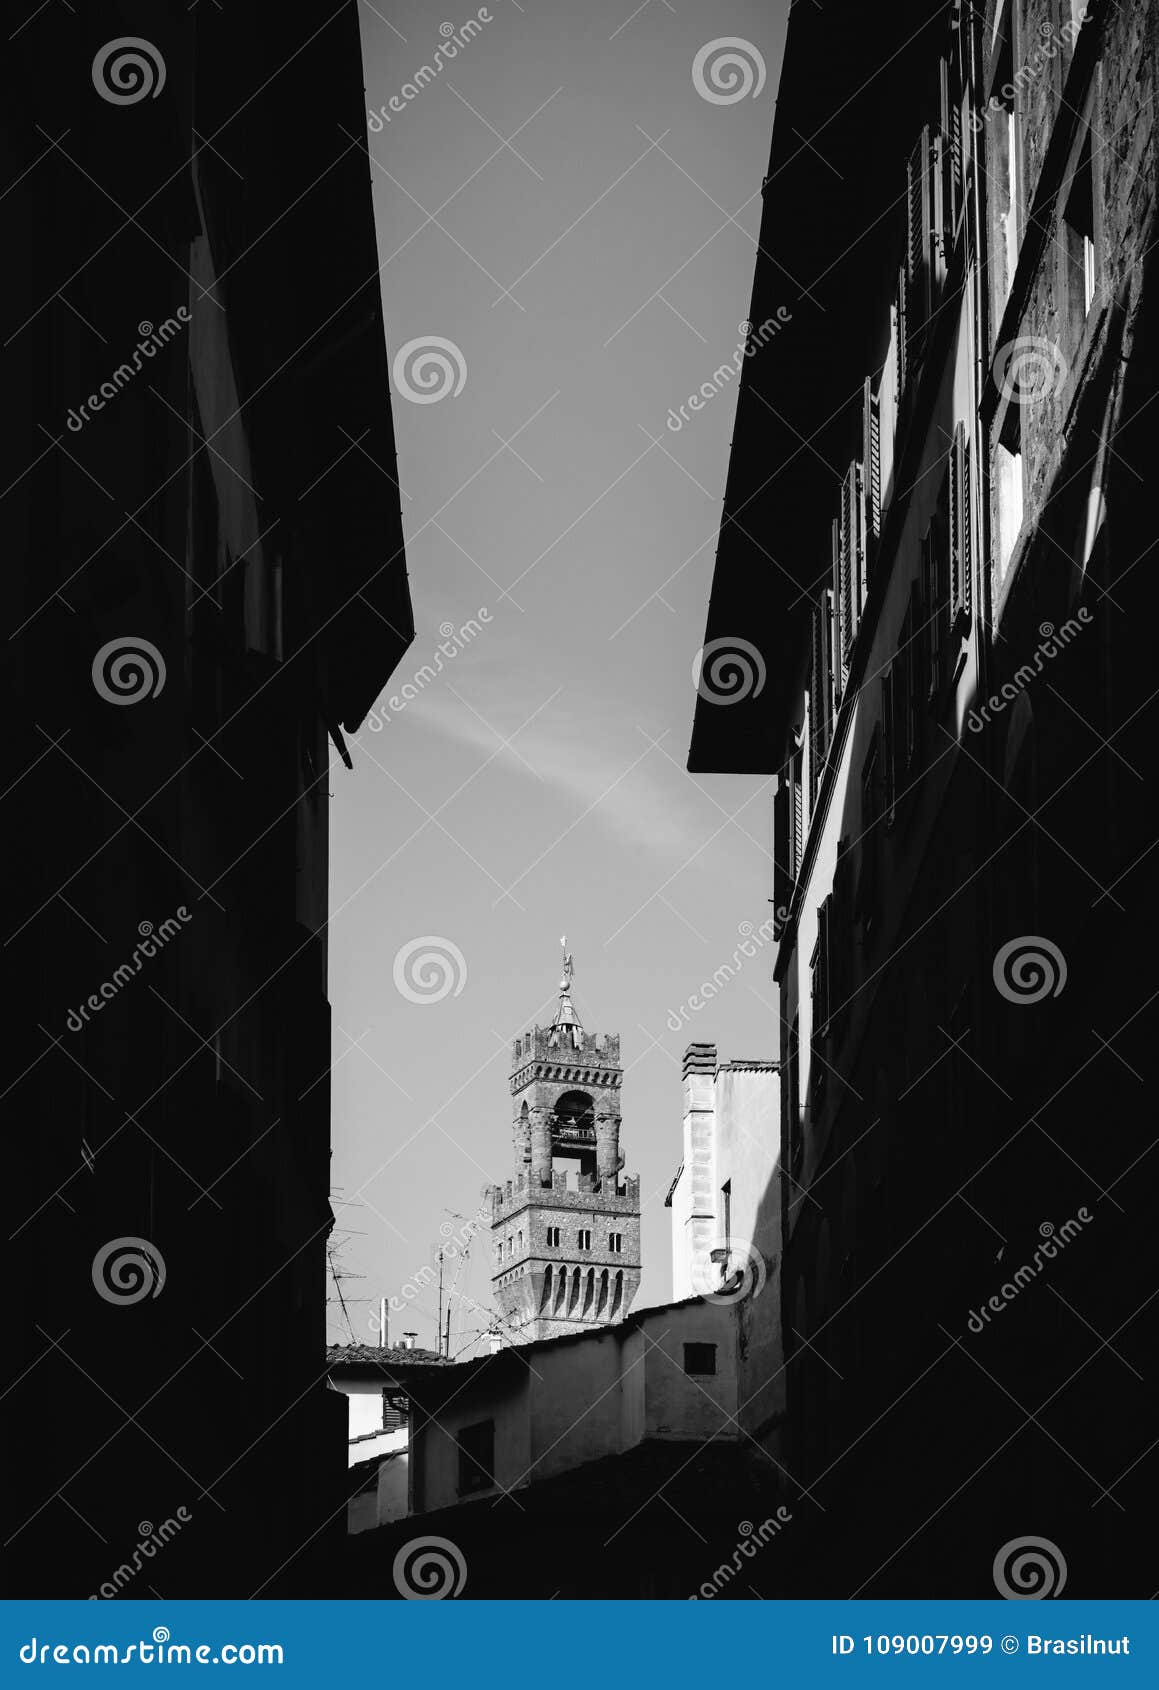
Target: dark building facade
[(206, 590), (934, 558)]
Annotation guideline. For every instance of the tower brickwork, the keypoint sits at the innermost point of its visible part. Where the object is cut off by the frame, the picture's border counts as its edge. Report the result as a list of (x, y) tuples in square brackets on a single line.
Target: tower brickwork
[(566, 1227)]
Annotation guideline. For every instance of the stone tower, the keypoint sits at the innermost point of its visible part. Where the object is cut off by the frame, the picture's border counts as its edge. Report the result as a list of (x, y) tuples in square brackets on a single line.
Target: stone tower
[(566, 1228)]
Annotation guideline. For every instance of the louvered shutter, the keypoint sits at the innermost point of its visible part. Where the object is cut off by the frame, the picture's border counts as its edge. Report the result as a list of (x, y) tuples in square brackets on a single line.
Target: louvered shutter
[(842, 639), (967, 531), (918, 245), (798, 815), (782, 846), (871, 457), (952, 164), (901, 372), (821, 689), (960, 560)]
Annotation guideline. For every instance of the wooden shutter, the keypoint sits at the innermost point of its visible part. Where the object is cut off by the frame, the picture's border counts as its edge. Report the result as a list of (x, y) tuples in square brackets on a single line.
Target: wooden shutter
[(782, 846), (798, 814), (952, 163), (851, 557), (821, 690), (871, 458), (960, 513), (841, 639), (919, 222)]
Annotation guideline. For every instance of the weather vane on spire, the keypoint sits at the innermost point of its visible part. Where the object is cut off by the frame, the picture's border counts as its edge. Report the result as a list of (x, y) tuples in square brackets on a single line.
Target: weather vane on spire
[(568, 964)]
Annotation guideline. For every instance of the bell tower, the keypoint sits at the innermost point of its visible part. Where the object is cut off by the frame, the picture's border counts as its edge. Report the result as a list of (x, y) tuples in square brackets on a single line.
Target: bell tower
[(566, 1228)]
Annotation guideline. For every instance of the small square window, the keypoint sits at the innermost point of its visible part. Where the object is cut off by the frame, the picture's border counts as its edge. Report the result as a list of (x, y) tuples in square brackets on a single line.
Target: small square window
[(700, 1358)]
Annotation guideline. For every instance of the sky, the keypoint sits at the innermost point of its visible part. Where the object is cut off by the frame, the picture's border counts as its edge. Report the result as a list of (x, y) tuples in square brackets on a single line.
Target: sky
[(563, 206)]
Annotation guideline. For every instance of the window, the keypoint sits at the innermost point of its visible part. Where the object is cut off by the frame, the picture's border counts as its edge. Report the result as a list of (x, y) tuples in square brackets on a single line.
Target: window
[(520, 1243), (583, 1238), (616, 1243), (553, 1238), (1078, 219), (476, 1457), (726, 1212), (700, 1358)]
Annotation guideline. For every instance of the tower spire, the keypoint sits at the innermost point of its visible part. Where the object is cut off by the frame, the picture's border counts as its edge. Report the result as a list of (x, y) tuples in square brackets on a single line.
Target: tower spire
[(566, 1027)]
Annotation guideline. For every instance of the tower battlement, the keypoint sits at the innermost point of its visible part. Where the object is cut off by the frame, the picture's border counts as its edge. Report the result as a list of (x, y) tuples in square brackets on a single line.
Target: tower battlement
[(543, 1045), (566, 1227)]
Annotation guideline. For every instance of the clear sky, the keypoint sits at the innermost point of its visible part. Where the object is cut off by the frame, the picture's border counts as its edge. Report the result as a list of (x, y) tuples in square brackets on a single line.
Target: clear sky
[(590, 279)]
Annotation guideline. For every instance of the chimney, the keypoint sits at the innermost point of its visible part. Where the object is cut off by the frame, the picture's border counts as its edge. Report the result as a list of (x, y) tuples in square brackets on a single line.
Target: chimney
[(409, 1340), (383, 1328)]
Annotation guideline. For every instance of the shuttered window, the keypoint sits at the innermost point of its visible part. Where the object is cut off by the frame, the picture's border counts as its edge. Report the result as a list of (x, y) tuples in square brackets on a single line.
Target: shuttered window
[(960, 514), (782, 846), (919, 225), (821, 694), (871, 458)]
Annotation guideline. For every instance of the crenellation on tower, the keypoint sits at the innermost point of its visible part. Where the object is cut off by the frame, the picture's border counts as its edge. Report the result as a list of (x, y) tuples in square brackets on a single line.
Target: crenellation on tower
[(566, 1230)]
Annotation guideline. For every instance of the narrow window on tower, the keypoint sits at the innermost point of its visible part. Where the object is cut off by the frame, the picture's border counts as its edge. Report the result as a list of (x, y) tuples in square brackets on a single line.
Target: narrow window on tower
[(726, 1212), (584, 1238), (615, 1243)]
